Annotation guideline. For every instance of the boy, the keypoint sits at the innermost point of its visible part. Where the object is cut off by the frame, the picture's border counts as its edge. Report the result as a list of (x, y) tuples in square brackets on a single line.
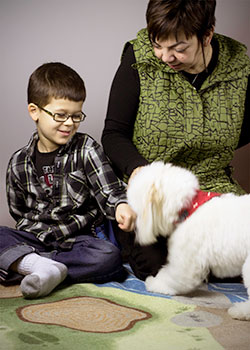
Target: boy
[(61, 191)]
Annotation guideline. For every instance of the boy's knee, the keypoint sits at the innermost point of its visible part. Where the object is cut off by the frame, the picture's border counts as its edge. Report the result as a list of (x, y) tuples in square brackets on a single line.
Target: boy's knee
[(110, 257)]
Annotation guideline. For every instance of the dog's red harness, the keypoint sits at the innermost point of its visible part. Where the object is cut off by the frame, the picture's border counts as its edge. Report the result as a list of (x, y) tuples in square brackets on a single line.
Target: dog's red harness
[(200, 198)]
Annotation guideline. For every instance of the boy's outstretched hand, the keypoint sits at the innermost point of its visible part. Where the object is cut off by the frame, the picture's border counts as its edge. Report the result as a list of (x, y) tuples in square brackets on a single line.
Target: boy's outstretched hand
[(125, 217)]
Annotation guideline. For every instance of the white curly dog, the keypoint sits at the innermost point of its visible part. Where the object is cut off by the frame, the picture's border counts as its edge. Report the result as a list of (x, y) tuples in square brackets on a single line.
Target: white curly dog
[(213, 236)]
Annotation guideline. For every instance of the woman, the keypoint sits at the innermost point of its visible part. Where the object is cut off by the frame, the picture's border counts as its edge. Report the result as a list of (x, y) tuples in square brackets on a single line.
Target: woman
[(181, 95)]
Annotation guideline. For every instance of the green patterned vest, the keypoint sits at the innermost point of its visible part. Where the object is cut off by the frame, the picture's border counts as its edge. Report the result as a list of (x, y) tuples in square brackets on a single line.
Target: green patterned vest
[(198, 130)]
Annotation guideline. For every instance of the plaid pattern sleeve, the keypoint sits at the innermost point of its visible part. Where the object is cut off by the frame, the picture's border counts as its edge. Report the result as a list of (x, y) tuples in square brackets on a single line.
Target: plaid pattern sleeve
[(85, 189), (105, 186)]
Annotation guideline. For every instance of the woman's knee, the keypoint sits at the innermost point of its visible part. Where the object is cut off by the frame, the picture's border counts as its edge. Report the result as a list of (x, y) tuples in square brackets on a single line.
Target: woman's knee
[(147, 260)]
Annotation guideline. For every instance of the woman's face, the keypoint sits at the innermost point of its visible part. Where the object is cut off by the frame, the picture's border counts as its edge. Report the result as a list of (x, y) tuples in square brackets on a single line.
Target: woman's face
[(182, 54)]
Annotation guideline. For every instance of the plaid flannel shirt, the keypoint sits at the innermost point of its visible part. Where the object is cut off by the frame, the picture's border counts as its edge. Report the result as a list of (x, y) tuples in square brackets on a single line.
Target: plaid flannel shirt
[(85, 190)]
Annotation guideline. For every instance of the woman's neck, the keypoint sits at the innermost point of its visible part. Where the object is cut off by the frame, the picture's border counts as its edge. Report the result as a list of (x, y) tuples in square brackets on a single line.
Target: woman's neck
[(203, 60)]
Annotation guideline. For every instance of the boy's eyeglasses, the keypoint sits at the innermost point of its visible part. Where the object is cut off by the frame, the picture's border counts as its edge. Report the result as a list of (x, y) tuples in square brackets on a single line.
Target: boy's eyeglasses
[(62, 117)]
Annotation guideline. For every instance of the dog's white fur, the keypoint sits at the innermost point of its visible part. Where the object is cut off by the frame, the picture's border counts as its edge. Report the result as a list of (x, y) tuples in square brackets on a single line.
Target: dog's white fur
[(216, 237)]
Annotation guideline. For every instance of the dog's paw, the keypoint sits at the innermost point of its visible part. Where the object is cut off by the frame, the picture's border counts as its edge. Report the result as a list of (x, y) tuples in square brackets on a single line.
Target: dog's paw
[(156, 285), (240, 311)]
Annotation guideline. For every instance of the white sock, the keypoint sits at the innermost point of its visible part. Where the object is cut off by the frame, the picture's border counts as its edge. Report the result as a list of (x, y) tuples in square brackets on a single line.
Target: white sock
[(42, 275)]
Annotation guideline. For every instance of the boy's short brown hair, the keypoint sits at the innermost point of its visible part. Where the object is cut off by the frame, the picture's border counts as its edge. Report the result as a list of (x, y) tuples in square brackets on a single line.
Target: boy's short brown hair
[(55, 80)]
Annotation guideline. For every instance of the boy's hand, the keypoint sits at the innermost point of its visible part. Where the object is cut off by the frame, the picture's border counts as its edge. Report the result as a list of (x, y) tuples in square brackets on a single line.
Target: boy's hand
[(125, 217)]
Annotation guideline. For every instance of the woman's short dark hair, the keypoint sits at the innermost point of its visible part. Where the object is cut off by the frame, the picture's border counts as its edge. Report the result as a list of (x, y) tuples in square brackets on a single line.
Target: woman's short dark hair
[(55, 80), (171, 17)]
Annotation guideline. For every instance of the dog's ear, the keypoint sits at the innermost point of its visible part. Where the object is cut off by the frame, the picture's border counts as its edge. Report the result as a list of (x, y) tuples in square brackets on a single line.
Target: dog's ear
[(156, 199), (147, 230)]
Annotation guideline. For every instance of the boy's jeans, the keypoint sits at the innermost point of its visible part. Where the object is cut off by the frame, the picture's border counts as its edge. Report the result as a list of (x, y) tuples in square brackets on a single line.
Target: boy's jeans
[(90, 260)]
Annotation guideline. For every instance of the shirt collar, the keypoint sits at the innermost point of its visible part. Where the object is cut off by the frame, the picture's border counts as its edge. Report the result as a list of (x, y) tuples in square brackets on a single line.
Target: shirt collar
[(31, 146)]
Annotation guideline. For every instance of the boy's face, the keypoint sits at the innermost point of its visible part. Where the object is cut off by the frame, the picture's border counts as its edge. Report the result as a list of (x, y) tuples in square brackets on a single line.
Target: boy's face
[(53, 134)]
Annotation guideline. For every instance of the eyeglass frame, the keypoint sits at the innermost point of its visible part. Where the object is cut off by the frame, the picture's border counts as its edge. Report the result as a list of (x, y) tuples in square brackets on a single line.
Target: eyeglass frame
[(53, 115)]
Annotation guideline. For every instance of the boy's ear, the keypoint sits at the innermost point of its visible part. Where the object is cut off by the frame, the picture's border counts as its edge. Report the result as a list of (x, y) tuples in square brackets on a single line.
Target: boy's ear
[(33, 111)]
